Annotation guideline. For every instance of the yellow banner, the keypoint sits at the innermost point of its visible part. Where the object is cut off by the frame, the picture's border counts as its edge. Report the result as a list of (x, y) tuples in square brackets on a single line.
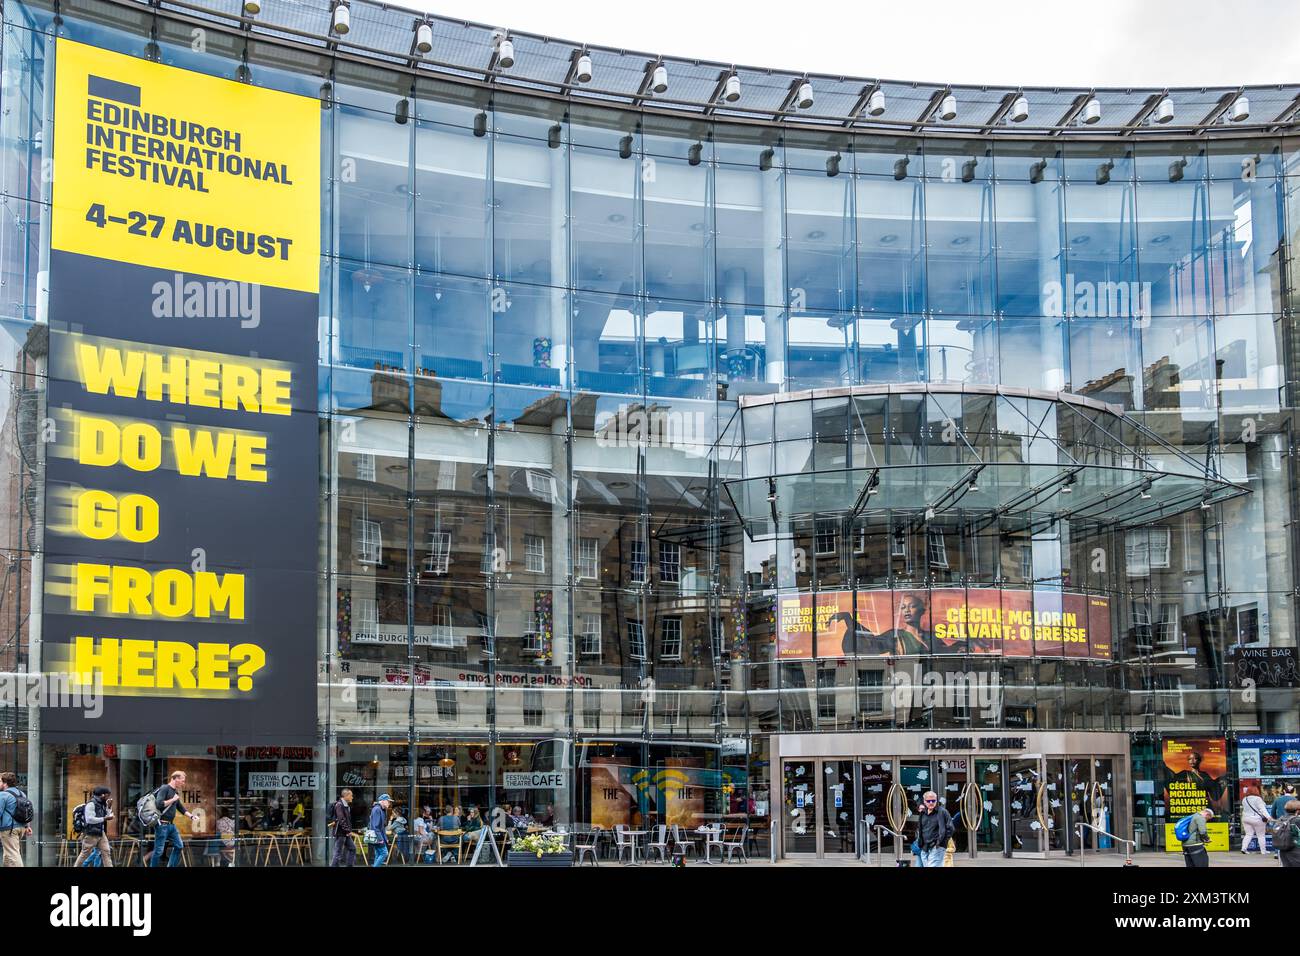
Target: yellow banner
[(163, 167), (1216, 832)]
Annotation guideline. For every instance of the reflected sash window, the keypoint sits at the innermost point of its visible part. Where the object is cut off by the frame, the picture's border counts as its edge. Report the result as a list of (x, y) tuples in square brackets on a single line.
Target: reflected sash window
[(535, 553), (670, 639), (825, 537), (638, 562), (589, 639), (444, 697), (368, 541), (439, 552), (670, 562), (588, 557), (443, 635), (636, 640)]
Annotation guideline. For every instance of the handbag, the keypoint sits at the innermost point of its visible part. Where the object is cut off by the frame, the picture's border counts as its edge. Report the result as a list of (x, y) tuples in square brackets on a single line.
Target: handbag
[(372, 837)]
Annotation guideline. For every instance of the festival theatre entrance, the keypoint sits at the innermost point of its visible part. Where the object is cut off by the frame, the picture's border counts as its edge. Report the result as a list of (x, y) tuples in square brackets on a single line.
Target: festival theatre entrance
[(1026, 794)]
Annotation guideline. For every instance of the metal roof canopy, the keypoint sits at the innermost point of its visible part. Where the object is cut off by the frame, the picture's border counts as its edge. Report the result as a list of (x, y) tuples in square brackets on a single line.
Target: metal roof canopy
[(463, 51), (1119, 485)]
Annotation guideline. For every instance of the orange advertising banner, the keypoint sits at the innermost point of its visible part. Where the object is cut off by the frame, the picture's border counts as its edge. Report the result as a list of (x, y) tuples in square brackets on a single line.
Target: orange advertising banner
[(1011, 623)]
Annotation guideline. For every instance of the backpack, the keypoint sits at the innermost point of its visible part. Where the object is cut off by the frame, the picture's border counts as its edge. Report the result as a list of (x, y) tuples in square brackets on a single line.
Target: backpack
[(1183, 829), (23, 809), (1284, 834), (146, 809), (79, 819)]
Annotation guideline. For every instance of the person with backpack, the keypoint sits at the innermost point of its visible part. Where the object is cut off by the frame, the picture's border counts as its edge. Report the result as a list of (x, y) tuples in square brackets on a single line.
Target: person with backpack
[(1285, 796), (1197, 835), (1286, 834), (168, 835), (92, 817), (16, 814), (1255, 819), (345, 851)]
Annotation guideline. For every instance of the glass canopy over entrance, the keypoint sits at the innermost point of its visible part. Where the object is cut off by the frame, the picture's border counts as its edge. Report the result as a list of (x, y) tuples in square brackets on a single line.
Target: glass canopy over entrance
[(931, 450)]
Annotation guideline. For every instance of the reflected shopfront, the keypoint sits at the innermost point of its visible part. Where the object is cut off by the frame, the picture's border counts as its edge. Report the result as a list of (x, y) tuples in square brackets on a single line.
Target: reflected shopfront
[(1032, 795)]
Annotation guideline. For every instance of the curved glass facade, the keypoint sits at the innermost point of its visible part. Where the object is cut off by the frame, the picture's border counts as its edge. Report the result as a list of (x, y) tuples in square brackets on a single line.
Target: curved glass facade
[(539, 322)]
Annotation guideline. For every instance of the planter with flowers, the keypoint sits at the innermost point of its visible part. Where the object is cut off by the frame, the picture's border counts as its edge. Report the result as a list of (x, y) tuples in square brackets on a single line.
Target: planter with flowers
[(540, 849)]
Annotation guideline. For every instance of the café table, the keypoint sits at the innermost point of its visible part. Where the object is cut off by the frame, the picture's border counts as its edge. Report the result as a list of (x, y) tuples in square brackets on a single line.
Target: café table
[(633, 835)]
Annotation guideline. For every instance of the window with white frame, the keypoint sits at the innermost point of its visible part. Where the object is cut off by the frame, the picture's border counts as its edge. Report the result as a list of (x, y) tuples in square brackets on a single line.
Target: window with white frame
[(871, 691), (1167, 627), (1192, 542), (533, 643), (898, 542), (638, 562), (485, 638), (636, 640), (535, 553), (936, 548), (368, 541), (591, 707), (588, 558), (1140, 615), (825, 536), (670, 562), (1169, 696), (365, 615), (670, 639), (439, 552), (444, 698), (446, 476), (670, 703), (533, 708), (368, 695), (860, 540), (1027, 561), (488, 563), (541, 485), (365, 467), (827, 706), (589, 637), (443, 635), (1146, 550)]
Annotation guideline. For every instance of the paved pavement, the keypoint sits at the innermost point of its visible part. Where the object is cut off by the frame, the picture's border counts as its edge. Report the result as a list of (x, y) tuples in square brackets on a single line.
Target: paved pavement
[(1233, 859)]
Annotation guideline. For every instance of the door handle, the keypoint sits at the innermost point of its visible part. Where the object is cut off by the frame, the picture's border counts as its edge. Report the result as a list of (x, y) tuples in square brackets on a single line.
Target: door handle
[(896, 803)]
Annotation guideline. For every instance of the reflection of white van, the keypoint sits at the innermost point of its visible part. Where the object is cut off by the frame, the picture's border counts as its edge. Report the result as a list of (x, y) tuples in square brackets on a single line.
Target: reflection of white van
[(552, 754)]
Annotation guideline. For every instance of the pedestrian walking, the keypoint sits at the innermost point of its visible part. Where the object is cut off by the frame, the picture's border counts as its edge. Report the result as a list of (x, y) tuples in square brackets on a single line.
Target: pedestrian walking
[(95, 814), (345, 850), (933, 830), (167, 837), (1195, 853), (376, 834), (1286, 835), (1255, 820), (16, 814)]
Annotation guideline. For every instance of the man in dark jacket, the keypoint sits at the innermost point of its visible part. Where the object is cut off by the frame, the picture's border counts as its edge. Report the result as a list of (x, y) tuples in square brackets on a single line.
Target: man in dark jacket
[(933, 830), (167, 837), (98, 811), (345, 850)]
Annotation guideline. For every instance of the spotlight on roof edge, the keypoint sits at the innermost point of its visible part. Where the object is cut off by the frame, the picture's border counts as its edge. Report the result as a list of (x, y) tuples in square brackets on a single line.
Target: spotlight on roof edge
[(252, 7), (423, 39), (804, 99), (948, 108), (659, 82), (876, 103), (1092, 111), (1240, 109), (1020, 109), (731, 92), (583, 73), (1164, 109), (505, 52), (341, 22)]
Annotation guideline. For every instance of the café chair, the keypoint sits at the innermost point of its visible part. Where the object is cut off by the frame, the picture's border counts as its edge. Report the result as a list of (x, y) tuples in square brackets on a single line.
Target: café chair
[(659, 844), (687, 845), (581, 850), (455, 844), (731, 846)]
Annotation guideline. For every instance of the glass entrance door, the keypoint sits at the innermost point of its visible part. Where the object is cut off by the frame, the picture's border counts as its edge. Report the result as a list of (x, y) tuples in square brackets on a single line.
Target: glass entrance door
[(1024, 789), (991, 835), (950, 784), (820, 808), (838, 816), (799, 802)]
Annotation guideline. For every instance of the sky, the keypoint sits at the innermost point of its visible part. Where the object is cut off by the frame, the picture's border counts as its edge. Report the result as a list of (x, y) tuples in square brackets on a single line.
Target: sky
[(1114, 43)]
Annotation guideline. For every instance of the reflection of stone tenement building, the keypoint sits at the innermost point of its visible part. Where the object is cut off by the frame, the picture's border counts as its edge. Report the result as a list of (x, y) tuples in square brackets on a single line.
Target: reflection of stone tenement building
[(669, 438)]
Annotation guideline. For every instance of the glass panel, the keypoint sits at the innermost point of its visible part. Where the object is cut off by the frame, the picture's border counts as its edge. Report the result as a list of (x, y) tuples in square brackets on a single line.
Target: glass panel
[(799, 795)]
